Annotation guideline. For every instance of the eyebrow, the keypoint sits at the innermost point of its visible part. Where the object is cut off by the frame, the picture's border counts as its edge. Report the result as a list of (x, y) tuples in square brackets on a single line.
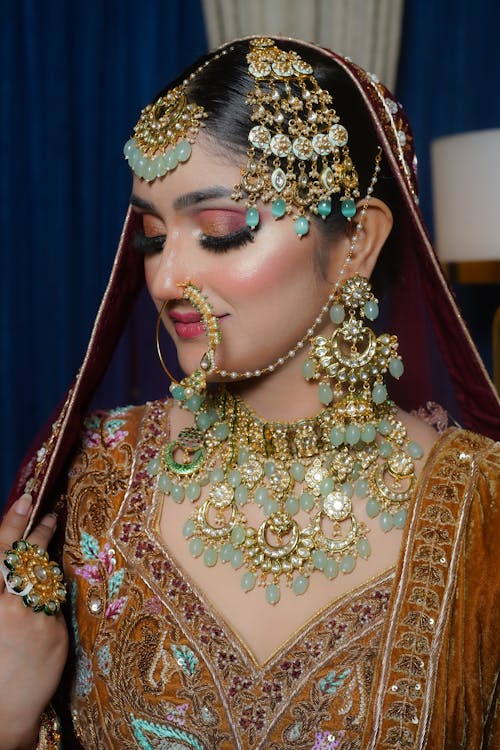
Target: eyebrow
[(187, 200)]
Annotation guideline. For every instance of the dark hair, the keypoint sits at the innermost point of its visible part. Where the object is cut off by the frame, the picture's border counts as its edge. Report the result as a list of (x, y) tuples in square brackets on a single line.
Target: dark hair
[(221, 87)]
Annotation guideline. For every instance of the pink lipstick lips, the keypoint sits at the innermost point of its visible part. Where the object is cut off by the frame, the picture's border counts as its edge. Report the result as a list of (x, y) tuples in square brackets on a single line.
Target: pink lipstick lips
[(187, 323)]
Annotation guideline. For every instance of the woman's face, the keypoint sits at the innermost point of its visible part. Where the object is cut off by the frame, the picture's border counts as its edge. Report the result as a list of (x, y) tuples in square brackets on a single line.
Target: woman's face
[(263, 284)]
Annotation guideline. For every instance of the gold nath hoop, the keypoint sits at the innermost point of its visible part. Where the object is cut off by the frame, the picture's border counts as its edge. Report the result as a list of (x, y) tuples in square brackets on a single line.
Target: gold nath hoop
[(159, 321)]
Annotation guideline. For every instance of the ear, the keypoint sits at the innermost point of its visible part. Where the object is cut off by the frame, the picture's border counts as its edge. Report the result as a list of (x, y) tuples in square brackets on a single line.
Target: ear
[(376, 225)]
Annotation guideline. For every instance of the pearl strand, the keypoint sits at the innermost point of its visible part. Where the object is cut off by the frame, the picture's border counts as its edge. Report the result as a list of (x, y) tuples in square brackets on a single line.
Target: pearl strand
[(317, 322)]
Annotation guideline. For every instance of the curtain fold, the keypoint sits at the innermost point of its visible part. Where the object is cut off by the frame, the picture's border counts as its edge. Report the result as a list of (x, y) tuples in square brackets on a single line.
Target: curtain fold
[(368, 31)]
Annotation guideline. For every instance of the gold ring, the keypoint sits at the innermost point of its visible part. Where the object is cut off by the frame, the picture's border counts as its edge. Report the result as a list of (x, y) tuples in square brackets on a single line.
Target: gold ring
[(29, 573)]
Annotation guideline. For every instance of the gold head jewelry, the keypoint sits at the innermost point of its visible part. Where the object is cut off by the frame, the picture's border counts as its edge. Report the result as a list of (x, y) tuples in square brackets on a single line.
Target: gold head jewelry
[(298, 156), (164, 134), (194, 384)]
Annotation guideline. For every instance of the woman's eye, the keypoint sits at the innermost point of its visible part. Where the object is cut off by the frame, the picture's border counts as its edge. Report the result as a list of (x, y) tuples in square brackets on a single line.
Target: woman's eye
[(151, 237), (143, 244), (223, 230)]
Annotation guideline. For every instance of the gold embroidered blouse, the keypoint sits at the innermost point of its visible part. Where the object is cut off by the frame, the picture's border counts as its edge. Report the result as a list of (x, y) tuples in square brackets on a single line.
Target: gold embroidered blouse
[(408, 660)]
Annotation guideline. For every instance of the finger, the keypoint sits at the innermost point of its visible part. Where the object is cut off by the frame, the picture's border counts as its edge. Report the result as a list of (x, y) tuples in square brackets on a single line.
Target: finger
[(43, 532), (15, 521)]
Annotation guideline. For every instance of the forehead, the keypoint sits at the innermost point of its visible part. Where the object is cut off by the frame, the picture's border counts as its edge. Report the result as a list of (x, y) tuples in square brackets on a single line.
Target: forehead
[(208, 166)]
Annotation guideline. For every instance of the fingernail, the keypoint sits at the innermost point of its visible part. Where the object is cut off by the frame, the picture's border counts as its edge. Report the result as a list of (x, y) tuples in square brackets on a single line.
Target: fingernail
[(49, 520), (23, 505)]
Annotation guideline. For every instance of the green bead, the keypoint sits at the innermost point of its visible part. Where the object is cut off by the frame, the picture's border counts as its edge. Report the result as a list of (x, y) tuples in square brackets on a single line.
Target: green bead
[(337, 436), (278, 208), (238, 535), (352, 434), (243, 454), (203, 420), (234, 478), (292, 505), (364, 549), (237, 559), (371, 310), (348, 208), (325, 394), (300, 585), (396, 367), (196, 547), (269, 468), (153, 467), (348, 489), (261, 496), (362, 488), (171, 159), (307, 501), (177, 493), (301, 226), (241, 495), (252, 217), (188, 529), (221, 431), (386, 521), (297, 471), (177, 392), (183, 150), (414, 450), (272, 593), (324, 208), (270, 507), (217, 475), (226, 552), (308, 369), (384, 427), (337, 314), (372, 508), (399, 518), (210, 557), (319, 559), (379, 393), (194, 402), (248, 581), (347, 564), (326, 486), (385, 449), (330, 569), (164, 483), (368, 433), (193, 491)]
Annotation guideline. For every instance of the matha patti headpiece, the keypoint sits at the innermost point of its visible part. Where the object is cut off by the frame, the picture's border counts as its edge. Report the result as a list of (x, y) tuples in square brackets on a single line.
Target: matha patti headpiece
[(163, 136), (298, 156)]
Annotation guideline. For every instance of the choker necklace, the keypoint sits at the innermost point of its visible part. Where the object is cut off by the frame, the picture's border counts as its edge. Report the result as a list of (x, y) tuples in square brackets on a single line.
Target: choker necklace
[(306, 477)]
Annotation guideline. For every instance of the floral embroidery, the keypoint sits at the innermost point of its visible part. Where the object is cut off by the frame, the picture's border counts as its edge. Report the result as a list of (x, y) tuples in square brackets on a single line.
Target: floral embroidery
[(326, 741), (84, 673), (332, 681), (180, 739), (101, 569), (104, 426), (104, 659), (185, 658)]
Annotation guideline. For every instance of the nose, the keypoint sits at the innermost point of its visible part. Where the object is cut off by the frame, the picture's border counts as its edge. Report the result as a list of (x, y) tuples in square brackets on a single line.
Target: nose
[(165, 271)]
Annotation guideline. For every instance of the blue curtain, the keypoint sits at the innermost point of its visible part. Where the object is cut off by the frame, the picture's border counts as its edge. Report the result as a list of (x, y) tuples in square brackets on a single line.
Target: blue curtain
[(74, 75), (448, 82)]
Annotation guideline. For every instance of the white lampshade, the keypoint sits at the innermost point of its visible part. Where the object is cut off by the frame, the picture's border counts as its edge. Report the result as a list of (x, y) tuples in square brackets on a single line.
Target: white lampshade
[(466, 189)]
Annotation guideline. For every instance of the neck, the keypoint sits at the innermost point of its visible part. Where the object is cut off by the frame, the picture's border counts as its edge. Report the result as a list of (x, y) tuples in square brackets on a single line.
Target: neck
[(283, 395)]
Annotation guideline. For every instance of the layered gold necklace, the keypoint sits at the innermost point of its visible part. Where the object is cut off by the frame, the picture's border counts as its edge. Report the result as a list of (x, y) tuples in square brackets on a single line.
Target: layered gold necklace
[(306, 478)]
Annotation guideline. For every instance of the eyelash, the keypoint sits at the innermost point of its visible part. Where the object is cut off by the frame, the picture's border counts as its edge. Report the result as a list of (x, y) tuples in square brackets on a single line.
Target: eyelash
[(215, 243)]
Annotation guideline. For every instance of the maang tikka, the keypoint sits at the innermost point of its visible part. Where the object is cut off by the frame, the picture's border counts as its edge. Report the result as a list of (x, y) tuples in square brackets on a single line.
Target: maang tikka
[(298, 156)]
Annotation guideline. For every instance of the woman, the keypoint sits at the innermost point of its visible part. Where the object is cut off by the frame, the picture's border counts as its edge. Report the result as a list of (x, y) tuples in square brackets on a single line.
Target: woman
[(276, 556)]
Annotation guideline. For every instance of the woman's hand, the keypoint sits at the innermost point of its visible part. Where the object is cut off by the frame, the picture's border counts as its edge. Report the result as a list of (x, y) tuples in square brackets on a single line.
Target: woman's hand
[(33, 645)]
